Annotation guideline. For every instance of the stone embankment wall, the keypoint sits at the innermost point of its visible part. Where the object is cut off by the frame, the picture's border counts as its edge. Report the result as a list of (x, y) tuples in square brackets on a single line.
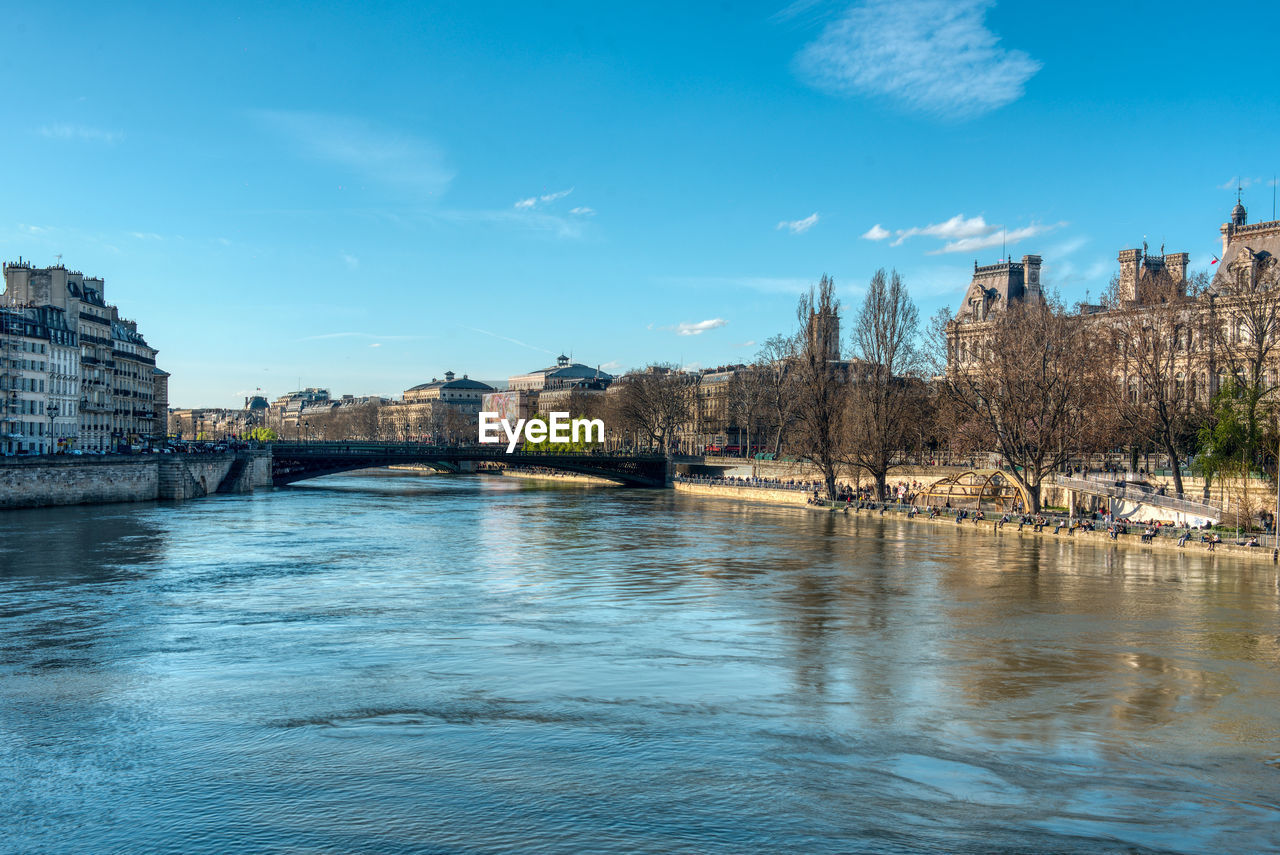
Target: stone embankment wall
[(81, 480), (571, 477), (1133, 540), (753, 494)]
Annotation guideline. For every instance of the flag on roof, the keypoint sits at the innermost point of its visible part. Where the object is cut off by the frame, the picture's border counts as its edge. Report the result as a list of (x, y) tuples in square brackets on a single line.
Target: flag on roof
[(1215, 261)]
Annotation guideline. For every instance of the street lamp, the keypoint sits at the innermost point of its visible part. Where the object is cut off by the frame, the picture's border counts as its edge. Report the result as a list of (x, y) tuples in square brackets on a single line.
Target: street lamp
[(52, 412)]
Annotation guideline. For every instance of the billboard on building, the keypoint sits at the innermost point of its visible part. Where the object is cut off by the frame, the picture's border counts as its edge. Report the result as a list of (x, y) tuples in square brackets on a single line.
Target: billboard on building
[(508, 405)]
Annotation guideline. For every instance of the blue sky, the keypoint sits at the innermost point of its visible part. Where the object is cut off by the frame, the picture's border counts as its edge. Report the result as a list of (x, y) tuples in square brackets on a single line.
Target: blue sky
[(328, 195)]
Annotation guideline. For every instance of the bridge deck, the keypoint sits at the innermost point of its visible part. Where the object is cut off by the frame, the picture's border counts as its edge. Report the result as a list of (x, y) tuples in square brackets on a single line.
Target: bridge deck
[(296, 461)]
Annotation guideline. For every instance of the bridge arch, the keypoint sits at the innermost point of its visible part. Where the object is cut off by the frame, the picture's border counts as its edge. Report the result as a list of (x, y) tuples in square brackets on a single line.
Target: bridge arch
[(977, 489), (292, 462)]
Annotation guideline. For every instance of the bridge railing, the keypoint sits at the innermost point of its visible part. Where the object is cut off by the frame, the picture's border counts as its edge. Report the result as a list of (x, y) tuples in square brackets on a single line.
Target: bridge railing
[(417, 449), (1133, 494)]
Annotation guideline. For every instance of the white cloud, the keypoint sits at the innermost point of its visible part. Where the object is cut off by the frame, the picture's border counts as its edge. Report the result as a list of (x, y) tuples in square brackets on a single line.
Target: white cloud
[(955, 228), (875, 233), (65, 131), (698, 328), (798, 227), (544, 199), (376, 344), (966, 234), (539, 221), (512, 340), (611, 367), (995, 238), (583, 211), (748, 343), (931, 56), (350, 260), (377, 153), (146, 235)]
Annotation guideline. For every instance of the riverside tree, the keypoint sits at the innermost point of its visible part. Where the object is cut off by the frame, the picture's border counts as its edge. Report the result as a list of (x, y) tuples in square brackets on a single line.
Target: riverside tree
[(653, 403), (819, 404), (886, 398), (1032, 388), (1152, 338), (773, 366)]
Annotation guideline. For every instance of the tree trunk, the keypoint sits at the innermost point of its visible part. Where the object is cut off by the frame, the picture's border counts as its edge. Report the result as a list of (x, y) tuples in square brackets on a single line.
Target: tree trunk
[(1177, 468)]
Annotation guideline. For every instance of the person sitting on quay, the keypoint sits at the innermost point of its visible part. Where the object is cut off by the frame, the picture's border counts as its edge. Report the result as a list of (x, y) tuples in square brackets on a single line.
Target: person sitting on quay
[(1148, 534), (1214, 540), (1182, 538), (1004, 519), (979, 516), (1253, 541)]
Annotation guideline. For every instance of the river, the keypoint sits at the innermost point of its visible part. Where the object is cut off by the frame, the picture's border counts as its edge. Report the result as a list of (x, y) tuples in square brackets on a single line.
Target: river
[(399, 663)]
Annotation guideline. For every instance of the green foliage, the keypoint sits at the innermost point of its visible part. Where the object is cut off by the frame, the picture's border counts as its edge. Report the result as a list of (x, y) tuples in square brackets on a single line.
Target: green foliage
[(1235, 439), (548, 446), (261, 434)]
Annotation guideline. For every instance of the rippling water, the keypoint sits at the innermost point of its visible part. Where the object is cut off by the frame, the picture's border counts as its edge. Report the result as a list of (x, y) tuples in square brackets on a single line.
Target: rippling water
[(404, 663)]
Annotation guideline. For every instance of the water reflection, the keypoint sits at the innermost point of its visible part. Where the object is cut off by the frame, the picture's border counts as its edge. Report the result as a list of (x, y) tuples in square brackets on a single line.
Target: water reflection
[(404, 663)]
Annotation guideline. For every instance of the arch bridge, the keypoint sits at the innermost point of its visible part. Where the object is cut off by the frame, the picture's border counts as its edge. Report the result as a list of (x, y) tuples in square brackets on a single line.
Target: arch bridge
[(298, 461)]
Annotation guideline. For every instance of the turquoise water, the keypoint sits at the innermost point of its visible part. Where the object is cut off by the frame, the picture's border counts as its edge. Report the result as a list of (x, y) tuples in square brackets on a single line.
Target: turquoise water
[(404, 663)]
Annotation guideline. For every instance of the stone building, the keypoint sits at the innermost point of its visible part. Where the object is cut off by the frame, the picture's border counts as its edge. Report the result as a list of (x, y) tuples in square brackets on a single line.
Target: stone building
[(564, 373), (116, 377), (440, 411), (1210, 333)]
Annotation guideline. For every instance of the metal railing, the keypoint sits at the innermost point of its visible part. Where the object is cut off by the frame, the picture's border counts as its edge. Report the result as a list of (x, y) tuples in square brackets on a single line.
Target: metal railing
[(1136, 494)]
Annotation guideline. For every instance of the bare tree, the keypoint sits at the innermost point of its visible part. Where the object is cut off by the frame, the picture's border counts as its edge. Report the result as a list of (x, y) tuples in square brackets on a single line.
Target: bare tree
[(1031, 385), (885, 393), (748, 400), (819, 393), (653, 403), (1152, 339), (774, 365)]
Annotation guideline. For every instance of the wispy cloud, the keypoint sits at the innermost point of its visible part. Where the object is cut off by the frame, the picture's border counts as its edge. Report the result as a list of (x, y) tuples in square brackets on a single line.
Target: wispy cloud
[(538, 221), (876, 232), (377, 153), (966, 234), (350, 260), (697, 328), (583, 211), (751, 342), (512, 340), (996, 238), (66, 131), (611, 367), (800, 226), (955, 228), (376, 344), (930, 56), (544, 199), (145, 235), (1245, 183)]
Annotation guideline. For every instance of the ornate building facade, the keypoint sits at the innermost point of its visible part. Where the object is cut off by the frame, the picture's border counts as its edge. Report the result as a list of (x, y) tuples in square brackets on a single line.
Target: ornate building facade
[(1207, 335)]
